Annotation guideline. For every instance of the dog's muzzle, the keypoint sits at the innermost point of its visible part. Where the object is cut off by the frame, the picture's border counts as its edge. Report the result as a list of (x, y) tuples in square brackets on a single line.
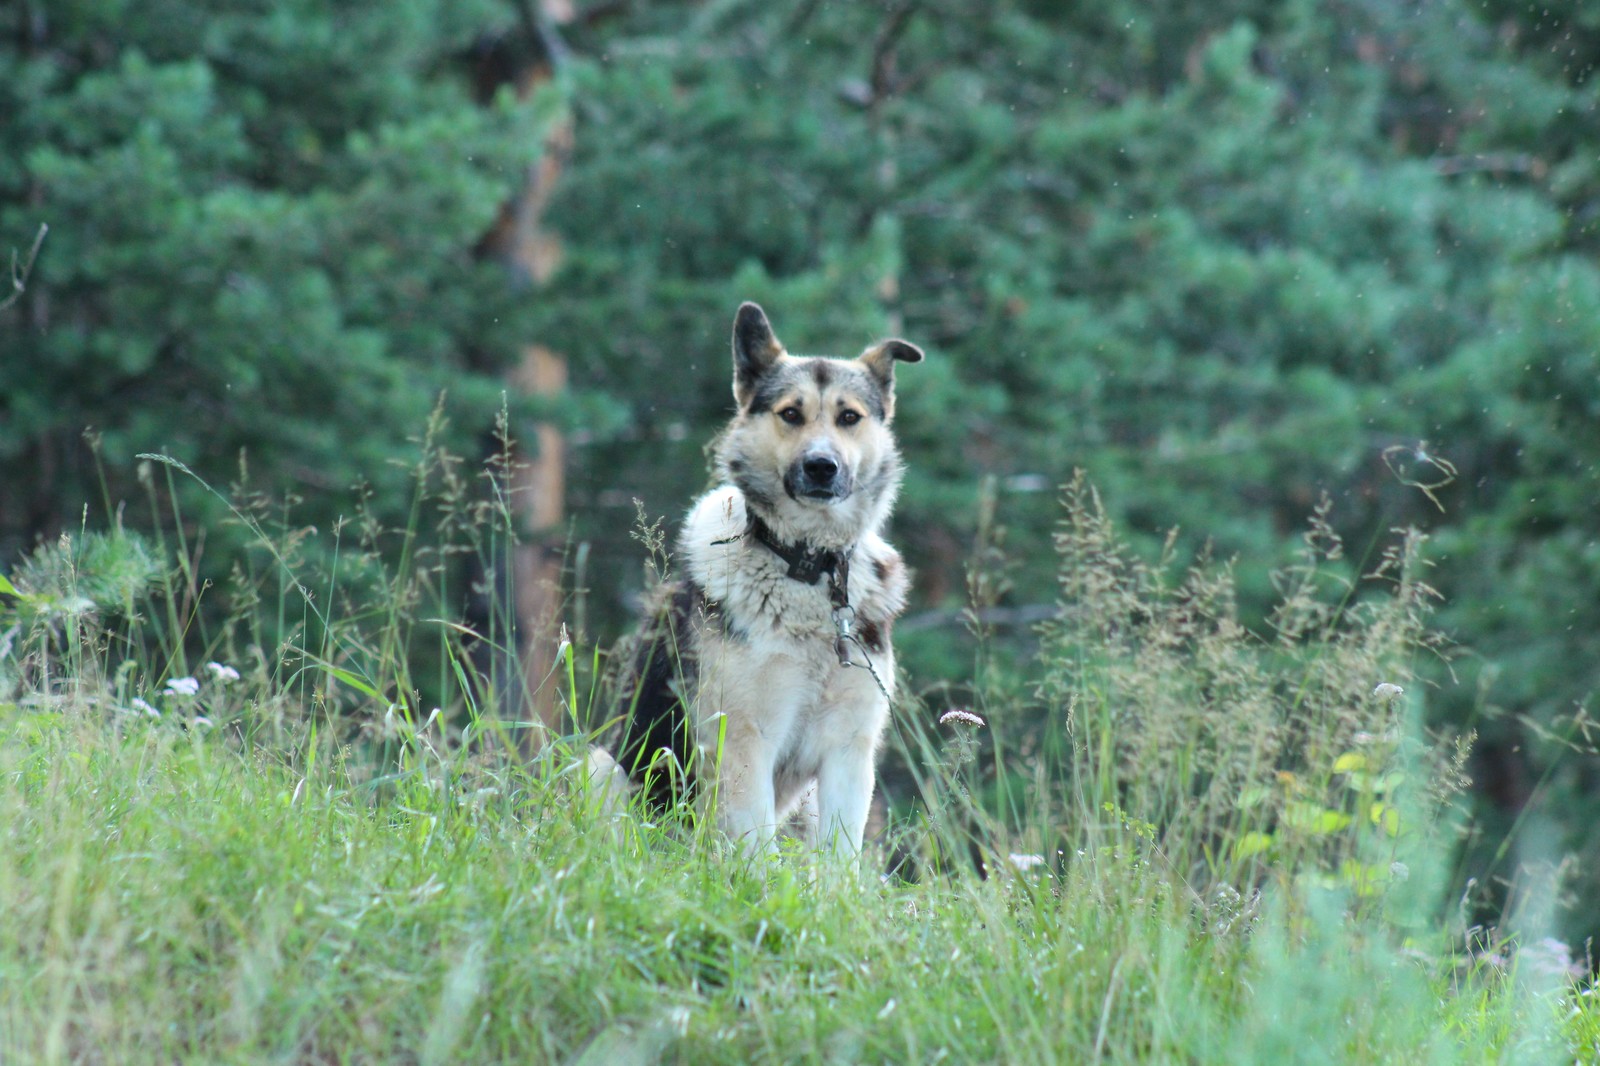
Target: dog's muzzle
[(818, 475)]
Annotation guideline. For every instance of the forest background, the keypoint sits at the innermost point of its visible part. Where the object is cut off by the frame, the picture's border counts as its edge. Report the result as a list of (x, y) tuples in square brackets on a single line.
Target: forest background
[(1227, 258)]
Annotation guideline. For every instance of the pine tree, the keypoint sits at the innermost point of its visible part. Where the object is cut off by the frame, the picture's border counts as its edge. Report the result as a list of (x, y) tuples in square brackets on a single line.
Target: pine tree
[(260, 258)]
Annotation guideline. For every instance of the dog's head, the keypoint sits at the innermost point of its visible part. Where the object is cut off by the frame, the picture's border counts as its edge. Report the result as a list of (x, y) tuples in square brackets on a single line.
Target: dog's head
[(811, 446)]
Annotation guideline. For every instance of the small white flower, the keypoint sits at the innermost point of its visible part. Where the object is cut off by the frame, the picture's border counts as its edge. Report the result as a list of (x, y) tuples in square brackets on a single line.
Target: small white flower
[(1387, 691), (202, 722), (964, 717), (182, 686), (149, 711), (223, 672), (1025, 863)]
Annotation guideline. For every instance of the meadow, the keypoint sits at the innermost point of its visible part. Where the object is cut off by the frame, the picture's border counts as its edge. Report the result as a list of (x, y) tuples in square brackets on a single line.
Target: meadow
[(248, 838)]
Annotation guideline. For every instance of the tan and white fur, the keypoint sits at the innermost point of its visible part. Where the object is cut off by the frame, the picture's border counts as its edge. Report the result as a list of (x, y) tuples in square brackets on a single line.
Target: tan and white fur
[(739, 673)]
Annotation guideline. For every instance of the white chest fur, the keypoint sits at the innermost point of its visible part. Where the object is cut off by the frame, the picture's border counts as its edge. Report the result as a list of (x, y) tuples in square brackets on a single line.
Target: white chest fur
[(771, 698)]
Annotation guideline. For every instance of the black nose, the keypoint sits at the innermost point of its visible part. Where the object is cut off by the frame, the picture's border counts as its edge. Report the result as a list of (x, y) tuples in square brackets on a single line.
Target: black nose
[(820, 469)]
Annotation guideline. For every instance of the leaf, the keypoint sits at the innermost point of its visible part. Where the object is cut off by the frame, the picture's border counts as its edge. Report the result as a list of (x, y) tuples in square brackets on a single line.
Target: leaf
[(1252, 843), (352, 680), (1253, 796), (1386, 816), (1331, 822), (1366, 879), (7, 587), (1349, 762), (1374, 784), (1310, 818)]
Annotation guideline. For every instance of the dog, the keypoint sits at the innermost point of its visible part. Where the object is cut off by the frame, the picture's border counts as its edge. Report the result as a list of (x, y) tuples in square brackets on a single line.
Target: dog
[(765, 669)]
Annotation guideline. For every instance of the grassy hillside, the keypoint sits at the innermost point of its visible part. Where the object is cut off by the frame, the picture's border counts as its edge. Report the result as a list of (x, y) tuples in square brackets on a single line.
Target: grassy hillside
[(1180, 842), (169, 898)]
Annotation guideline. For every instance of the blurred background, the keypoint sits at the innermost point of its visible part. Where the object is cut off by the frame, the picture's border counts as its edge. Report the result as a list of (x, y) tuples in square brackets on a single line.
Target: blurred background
[(1229, 258)]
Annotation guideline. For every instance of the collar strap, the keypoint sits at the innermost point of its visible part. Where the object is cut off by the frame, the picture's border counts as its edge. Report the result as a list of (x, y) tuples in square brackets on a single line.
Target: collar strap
[(806, 565)]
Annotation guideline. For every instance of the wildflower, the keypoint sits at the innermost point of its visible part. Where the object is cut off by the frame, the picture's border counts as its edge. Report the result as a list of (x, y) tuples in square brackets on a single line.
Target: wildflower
[(202, 722), (1025, 863), (182, 686), (149, 711), (223, 672), (964, 717), (1388, 692)]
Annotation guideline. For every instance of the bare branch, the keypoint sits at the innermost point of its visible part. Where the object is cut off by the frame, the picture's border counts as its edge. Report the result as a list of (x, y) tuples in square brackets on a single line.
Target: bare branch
[(883, 49), (1492, 163), (20, 272), (801, 16)]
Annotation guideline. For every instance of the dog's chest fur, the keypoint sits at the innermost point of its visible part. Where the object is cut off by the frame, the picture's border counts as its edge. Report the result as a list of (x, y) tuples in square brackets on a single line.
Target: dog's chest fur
[(774, 649), (773, 612), (736, 638)]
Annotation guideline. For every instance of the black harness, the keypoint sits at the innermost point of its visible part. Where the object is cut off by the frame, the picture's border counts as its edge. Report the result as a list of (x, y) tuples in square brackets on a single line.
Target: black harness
[(807, 566)]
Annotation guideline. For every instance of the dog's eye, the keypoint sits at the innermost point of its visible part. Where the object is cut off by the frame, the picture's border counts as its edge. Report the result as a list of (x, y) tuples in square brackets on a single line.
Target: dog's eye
[(848, 417), (792, 415)]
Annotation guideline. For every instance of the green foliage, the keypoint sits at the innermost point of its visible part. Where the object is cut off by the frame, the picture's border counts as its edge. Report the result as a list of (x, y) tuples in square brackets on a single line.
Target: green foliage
[(1233, 745), (482, 916), (260, 259), (94, 572)]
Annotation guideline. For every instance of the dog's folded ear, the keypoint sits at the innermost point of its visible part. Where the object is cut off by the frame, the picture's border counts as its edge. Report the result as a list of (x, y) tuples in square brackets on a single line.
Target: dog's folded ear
[(755, 349), (881, 358)]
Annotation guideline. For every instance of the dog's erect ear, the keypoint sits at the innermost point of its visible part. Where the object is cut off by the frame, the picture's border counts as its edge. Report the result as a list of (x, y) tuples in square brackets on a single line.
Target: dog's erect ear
[(755, 349)]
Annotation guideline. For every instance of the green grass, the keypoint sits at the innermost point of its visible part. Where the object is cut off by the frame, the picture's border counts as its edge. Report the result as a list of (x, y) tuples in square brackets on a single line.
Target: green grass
[(1244, 854), (171, 897)]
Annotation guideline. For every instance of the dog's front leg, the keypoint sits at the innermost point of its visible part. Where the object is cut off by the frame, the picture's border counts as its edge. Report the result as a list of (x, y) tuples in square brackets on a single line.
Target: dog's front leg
[(844, 794), (746, 806)]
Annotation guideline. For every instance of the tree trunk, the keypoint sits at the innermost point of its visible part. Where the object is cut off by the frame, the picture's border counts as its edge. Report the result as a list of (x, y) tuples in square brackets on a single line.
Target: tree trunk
[(530, 690)]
